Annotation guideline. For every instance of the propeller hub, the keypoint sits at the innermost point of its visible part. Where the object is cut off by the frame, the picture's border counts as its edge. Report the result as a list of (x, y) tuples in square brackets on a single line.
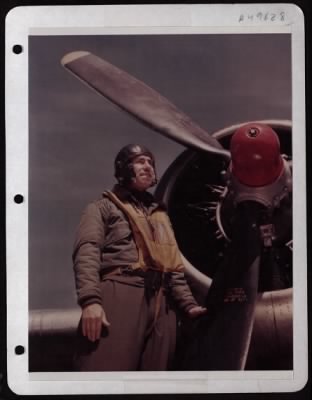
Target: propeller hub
[(256, 158)]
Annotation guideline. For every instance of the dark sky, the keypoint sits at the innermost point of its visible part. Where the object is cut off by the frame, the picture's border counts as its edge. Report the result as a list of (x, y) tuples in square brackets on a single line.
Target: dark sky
[(74, 134)]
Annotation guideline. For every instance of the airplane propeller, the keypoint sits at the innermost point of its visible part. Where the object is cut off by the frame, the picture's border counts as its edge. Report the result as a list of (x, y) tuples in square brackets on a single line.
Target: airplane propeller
[(224, 334), (140, 101)]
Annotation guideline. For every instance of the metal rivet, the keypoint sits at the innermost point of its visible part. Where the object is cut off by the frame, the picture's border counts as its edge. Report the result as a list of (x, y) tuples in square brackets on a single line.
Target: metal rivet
[(253, 132)]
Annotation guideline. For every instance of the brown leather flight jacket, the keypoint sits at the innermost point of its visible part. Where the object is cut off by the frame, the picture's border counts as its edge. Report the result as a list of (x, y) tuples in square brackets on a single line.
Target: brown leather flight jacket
[(105, 241)]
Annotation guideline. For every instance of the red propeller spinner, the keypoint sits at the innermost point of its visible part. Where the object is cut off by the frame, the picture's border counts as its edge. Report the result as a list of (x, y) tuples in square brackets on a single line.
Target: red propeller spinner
[(256, 158)]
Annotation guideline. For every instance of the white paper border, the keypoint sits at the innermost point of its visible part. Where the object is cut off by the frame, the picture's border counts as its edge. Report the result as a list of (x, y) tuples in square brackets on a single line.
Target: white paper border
[(125, 19)]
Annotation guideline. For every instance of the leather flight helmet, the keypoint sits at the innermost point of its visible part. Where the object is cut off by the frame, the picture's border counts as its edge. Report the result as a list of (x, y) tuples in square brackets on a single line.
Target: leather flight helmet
[(123, 162)]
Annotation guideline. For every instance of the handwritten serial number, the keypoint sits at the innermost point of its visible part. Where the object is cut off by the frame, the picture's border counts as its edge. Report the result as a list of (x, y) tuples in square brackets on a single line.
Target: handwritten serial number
[(262, 16)]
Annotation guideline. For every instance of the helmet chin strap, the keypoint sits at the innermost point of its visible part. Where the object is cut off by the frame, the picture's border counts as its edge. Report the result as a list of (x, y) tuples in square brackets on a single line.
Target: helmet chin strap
[(126, 181), (129, 186)]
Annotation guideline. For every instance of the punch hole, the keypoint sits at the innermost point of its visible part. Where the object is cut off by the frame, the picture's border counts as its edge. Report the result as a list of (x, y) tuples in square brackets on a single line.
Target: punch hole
[(17, 49), (18, 198), (19, 350)]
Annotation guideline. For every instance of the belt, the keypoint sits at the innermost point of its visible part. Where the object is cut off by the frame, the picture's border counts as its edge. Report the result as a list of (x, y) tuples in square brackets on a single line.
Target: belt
[(123, 270), (153, 279)]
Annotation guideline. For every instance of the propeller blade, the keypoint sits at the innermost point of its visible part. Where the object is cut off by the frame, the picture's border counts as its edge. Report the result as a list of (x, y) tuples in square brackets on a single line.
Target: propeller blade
[(140, 101), (223, 336)]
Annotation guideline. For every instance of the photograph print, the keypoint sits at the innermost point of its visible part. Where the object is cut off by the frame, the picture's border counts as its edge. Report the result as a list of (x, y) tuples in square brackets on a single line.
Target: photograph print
[(160, 202)]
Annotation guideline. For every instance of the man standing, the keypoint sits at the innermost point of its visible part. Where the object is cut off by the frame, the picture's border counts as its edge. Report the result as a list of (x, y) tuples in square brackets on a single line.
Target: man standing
[(129, 274)]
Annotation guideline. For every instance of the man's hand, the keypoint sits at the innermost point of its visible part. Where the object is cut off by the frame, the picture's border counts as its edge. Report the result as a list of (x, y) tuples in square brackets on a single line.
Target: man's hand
[(196, 311), (93, 317)]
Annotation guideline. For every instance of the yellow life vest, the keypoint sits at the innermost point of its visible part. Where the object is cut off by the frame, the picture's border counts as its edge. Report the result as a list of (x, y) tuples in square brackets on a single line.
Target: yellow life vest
[(154, 237)]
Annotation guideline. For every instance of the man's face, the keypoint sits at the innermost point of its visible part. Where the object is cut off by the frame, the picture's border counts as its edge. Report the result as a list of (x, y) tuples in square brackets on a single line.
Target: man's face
[(144, 173)]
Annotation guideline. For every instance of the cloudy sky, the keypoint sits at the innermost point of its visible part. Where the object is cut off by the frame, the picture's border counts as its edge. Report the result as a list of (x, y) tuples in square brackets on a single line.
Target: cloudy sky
[(74, 134)]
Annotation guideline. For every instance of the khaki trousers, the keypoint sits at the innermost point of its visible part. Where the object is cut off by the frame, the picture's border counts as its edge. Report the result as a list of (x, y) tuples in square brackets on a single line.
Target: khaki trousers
[(133, 341)]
